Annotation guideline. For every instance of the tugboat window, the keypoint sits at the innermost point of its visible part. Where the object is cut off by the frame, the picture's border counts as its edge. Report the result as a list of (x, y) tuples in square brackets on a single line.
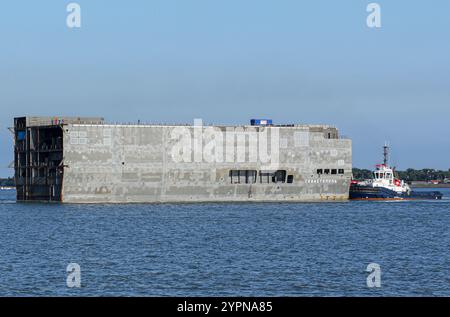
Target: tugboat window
[(327, 171), (320, 171), (290, 179), (341, 171), (333, 172)]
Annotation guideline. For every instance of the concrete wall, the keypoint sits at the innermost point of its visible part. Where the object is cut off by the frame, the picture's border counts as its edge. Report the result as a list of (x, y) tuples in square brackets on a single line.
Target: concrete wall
[(49, 121), (124, 163)]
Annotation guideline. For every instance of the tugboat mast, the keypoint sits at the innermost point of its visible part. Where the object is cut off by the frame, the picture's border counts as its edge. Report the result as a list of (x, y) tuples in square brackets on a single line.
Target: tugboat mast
[(386, 154)]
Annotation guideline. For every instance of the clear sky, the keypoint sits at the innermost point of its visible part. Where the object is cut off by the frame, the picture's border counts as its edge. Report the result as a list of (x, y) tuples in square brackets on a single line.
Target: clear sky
[(227, 61)]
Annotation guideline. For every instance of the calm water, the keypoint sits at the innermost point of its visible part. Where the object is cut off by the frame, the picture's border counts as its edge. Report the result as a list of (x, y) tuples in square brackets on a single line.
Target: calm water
[(225, 249)]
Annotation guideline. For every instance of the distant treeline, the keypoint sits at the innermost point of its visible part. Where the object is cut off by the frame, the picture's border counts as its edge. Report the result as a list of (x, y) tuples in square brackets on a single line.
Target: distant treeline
[(7, 182), (410, 175)]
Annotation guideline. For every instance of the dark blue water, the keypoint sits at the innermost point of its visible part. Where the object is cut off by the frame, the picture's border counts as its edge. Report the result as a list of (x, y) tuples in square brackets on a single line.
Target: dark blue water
[(225, 249)]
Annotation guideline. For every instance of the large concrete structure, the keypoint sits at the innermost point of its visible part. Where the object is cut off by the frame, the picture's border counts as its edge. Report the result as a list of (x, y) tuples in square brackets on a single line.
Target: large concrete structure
[(84, 160)]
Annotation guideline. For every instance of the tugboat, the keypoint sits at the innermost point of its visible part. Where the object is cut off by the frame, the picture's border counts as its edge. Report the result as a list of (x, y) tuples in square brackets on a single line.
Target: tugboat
[(386, 186)]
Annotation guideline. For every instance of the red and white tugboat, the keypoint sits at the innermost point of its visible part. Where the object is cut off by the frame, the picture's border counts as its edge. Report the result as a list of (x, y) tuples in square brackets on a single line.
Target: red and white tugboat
[(386, 186)]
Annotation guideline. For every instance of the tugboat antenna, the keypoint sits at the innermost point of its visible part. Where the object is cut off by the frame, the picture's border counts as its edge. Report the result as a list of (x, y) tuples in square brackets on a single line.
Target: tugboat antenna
[(386, 154)]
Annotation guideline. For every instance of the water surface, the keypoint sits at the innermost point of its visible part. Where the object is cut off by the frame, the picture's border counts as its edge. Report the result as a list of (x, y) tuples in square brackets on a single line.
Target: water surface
[(276, 249)]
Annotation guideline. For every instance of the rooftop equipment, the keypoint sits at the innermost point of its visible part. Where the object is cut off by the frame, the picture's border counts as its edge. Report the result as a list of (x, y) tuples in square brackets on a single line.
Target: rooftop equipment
[(261, 122)]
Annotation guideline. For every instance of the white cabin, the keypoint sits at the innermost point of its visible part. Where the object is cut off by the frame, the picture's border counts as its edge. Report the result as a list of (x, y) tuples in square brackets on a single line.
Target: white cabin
[(384, 176)]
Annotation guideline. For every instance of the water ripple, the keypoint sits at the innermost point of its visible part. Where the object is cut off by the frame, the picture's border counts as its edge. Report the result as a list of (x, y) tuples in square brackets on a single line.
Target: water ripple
[(274, 249)]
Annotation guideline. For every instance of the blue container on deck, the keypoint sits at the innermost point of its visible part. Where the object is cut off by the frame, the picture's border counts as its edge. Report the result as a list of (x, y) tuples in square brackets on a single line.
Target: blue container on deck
[(261, 122)]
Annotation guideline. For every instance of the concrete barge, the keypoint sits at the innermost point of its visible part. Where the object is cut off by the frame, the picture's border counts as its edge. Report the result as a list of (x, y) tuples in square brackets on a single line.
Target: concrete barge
[(85, 160)]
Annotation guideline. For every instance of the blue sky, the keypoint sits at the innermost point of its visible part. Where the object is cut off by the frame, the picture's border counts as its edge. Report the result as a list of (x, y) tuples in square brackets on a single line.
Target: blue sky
[(229, 61)]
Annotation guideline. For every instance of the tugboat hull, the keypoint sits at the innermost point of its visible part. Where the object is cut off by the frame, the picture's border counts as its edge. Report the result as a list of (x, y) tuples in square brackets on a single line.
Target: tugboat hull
[(359, 192)]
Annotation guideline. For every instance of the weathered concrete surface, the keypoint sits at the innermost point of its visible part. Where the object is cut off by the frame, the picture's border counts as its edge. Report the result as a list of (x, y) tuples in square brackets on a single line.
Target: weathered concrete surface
[(48, 121), (125, 163)]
